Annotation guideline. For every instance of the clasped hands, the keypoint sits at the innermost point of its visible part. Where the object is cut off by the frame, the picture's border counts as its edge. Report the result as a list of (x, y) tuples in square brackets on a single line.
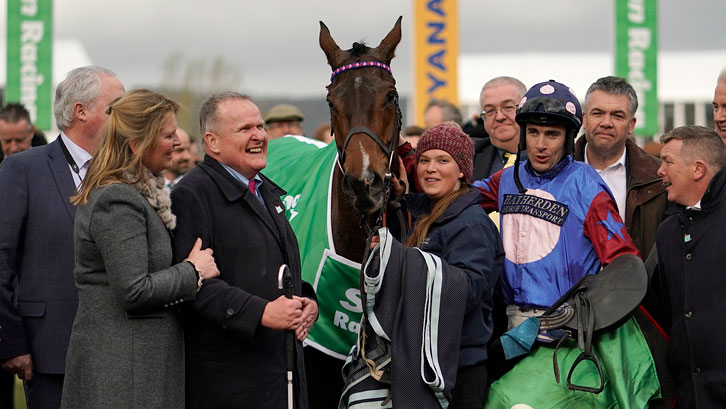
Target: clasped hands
[(296, 313)]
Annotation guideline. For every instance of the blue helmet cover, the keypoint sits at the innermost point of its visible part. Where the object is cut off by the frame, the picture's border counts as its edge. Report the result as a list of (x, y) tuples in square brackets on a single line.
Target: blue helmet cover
[(550, 102)]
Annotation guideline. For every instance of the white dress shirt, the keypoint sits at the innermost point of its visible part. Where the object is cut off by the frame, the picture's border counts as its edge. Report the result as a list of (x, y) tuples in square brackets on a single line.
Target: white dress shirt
[(80, 156), (616, 179)]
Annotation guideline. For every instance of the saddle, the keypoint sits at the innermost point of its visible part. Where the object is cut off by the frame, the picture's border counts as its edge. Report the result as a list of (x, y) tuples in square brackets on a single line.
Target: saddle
[(596, 303)]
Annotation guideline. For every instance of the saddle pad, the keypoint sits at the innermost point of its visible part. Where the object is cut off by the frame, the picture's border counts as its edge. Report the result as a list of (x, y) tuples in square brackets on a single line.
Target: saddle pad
[(628, 367)]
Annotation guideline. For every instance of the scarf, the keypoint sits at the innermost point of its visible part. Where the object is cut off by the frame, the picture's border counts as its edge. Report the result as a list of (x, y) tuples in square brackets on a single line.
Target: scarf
[(152, 188)]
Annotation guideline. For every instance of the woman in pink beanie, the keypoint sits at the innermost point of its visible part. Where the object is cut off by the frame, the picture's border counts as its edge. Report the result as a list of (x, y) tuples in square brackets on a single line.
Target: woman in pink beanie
[(450, 224)]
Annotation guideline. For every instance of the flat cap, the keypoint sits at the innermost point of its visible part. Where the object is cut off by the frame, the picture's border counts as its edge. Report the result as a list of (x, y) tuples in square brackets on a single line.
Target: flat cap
[(283, 112)]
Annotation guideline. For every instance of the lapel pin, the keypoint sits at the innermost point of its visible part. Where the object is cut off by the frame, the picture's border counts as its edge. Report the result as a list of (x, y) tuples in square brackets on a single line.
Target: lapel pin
[(279, 209)]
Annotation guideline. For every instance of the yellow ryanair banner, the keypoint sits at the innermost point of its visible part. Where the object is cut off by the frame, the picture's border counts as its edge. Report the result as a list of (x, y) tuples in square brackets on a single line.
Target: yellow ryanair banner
[(436, 53)]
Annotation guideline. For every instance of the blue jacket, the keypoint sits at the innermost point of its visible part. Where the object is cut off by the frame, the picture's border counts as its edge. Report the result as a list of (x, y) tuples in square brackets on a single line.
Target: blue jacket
[(466, 238), (566, 226)]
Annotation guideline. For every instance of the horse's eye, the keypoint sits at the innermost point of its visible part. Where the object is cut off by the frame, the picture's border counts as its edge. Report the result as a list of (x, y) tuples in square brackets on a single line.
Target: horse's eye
[(331, 106), (392, 97)]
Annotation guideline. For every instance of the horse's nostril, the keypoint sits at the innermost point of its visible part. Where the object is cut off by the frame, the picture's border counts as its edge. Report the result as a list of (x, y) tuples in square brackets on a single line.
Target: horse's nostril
[(368, 179)]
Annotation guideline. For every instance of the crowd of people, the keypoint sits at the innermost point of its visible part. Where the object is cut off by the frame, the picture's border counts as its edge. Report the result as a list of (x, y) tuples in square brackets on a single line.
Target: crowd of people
[(136, 273)]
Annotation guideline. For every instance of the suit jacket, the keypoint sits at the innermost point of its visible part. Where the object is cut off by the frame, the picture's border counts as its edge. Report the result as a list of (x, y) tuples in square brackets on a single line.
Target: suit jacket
[(232, 360), (484, 154), (36, 248), (691, 254), (127, 344)]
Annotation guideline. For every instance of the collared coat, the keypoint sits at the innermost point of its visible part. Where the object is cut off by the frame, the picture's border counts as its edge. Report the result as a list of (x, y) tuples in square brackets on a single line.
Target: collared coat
[(127, 343), (466, 238), (36, 252), (232, 360), (691, 254), (645, 200)]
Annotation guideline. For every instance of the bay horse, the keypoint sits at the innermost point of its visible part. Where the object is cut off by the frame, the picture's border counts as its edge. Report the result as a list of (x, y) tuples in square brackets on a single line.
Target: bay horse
[(366, 121)]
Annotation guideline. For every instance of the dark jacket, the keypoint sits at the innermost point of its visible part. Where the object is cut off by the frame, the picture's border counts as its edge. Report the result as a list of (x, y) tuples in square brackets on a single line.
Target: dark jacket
[(691, 253), (465, 237), (232, 360), (645, 198), (484, 155), (36, 248)]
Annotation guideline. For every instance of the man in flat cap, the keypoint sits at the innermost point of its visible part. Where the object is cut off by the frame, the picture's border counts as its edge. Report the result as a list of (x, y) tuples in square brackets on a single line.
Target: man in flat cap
[(283, 119)]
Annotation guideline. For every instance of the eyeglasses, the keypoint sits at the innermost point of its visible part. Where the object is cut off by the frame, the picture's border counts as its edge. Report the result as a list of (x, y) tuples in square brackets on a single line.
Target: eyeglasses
[(491, 112)]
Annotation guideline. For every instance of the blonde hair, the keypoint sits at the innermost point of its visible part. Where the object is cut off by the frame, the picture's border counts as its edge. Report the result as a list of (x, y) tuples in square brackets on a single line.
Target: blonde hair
[(421, 230), (138, 116)]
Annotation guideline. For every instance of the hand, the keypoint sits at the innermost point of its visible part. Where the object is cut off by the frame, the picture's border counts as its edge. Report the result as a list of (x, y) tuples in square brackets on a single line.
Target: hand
[(374, 241), (309, 315), (203, 260), (21, 365), (400, 183), (283, 314)]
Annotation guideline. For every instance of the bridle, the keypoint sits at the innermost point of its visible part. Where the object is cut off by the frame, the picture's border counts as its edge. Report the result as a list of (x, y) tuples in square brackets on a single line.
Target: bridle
[(388, 150)]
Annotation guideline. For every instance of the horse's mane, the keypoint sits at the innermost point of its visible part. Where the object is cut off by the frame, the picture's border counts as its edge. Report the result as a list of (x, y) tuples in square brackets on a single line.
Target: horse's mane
[(359, 49)]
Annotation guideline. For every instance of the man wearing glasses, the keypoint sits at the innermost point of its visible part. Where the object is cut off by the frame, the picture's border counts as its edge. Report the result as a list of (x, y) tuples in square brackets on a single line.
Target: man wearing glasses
[(499, 98)]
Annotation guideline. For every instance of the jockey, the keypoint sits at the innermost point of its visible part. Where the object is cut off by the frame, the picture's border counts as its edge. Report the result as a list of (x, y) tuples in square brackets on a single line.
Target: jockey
[(559, 223)]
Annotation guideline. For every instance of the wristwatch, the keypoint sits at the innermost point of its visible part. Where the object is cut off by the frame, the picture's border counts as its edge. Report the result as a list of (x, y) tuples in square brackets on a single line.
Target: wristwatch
[(200, 280)]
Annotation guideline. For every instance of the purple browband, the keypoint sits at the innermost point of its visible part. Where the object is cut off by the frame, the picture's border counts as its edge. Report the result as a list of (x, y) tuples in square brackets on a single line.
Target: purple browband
[(360, 64)]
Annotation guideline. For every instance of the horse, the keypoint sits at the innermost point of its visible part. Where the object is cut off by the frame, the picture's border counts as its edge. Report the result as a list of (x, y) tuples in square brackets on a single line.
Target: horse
[(366, 121)]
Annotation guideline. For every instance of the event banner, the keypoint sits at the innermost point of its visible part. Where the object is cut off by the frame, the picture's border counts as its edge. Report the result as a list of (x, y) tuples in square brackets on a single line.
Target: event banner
[(636, 57), (436, 53), (30, 58)]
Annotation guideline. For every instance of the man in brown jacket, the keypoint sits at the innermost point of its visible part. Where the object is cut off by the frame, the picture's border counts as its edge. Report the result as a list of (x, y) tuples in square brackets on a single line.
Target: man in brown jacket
[(631, 174)]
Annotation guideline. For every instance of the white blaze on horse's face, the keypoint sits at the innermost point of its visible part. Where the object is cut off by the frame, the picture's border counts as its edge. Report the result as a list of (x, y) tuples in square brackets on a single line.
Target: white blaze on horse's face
[(358, 81), (366, 174)]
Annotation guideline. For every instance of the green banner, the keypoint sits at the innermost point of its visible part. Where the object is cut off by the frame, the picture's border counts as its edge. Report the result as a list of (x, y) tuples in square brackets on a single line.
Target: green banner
[(304, 168), (30, 58), (636, 57)]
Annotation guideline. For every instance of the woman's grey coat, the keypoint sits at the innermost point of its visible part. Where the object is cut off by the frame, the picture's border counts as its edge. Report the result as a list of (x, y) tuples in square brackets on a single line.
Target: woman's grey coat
[(127, 344)]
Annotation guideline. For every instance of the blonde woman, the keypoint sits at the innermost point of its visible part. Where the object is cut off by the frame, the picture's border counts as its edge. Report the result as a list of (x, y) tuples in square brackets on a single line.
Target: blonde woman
[(127, 347)]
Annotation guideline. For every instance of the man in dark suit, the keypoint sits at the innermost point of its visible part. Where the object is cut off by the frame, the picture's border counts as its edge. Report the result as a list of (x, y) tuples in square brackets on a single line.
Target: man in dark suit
[(36, 236), (235, 330), (498, 100), (16, 134), (691, 257)]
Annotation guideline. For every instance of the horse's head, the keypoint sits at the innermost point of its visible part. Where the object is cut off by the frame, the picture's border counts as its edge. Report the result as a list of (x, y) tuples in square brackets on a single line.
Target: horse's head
[(364, 115)]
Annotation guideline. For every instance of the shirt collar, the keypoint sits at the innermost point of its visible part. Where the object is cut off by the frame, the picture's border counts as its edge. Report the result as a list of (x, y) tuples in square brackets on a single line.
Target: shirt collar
[(242, 177), (79, 155), (696, 207), (619, 162)]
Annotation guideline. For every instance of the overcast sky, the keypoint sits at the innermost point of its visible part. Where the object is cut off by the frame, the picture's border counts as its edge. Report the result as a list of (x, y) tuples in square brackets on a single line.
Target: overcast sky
[(273, 44)]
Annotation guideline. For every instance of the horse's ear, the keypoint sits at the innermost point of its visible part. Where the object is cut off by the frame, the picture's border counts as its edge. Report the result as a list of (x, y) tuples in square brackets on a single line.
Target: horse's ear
[(331, 49), (387, 48)]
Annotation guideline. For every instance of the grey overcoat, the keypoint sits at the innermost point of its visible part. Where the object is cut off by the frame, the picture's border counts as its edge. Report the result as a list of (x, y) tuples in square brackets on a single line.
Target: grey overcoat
[(127, 344)]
